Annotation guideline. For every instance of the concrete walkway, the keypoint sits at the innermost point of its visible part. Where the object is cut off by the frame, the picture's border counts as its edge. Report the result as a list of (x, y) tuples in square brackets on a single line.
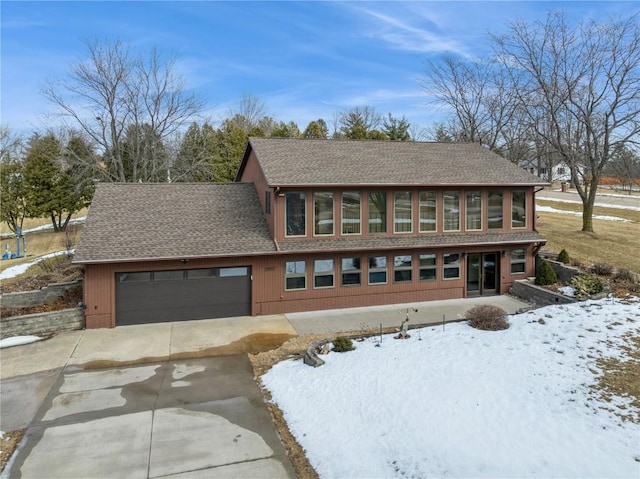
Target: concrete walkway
[(169, 399)]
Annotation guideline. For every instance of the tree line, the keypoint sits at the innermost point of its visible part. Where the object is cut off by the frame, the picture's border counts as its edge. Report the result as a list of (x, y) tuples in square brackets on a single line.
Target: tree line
[(550, 93)]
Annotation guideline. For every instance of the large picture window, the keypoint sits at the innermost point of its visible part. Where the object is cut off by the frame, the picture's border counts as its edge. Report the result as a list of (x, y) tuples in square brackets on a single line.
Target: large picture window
[(518, 209), (427, 267), (295, 275), (474, 210), (451, 210), (351, 213), (494, 220), (377, 212), (451, 266), (351, 271), (518, 261), (402, 268), (295, 210), (402, 212), (323, 213), (428, 208), (323, 273), (377, 269)]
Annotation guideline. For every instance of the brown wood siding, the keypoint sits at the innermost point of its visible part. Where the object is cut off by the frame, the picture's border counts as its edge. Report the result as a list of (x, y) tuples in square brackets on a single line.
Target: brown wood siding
[(253, 173)]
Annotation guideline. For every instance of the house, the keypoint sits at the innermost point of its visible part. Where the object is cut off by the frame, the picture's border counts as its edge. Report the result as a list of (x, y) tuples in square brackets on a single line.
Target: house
[(311, 225)]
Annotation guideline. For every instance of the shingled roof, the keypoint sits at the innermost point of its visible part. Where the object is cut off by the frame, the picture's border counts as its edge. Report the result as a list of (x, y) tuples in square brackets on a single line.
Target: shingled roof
[(300, 162), (139, 221)]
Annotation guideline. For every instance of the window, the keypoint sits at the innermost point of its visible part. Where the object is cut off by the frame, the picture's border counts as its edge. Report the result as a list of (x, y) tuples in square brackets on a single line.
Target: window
[(323, 273), (351, 271), (377, 269), (377, 212), (495, 210), (427, 267), (168, 275), (474, 210), (295, 274), (295, 208), (561, 170), (518, 261), (518, 209), (323, 213), (427, 211), (350, 213), (451, 266), (267, 202), (233, 272), (402, 212), (201, 273), (402, 268), (134, 277), (451, 211)]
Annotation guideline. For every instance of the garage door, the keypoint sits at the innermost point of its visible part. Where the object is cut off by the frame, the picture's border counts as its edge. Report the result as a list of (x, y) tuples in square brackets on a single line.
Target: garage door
[(180, 295)]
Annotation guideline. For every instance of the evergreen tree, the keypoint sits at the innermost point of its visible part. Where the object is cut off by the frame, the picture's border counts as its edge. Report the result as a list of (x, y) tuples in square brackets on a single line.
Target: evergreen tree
[(396, 129), (316, 129)]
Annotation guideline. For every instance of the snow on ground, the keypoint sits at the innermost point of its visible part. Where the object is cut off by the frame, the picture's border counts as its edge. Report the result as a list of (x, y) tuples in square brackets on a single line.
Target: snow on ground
[(468, 403), (18, 269), (549, 209), (603, 205), (18, 341)]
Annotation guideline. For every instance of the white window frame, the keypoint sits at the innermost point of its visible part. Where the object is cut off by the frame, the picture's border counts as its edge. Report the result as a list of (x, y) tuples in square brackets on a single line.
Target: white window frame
[(423, 204), (467, 210), (343, 224), (450, 266), (292, 271), (402, 267), (524, 207), (429, 267), (378, 269), (324, 272), (350, 271), (395, 212), (315, 213), (515, 260), (303, 196), (444, 210)]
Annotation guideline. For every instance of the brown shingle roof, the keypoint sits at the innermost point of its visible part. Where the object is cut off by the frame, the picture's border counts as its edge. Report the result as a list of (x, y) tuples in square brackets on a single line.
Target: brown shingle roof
[(410, 242), (131, 221), (299, 162)]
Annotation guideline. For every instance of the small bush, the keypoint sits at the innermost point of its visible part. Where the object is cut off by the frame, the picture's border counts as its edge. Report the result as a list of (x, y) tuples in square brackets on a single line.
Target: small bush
[(602, 269), (487, 318), (545, 275), (563, 257), (585, 284), (342, 344), (624, 275)]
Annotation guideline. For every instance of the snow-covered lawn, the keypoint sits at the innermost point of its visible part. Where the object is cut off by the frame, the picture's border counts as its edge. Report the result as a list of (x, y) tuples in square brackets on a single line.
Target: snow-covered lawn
[(460, 402), (549, 209)]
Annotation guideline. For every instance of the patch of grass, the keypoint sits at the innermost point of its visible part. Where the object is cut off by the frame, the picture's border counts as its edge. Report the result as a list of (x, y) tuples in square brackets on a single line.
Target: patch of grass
[(35, 222), (613, 242)]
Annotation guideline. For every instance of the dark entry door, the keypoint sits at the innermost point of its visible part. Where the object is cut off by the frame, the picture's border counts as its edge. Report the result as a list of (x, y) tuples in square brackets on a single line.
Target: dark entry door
[(180, 295), (482, 273)]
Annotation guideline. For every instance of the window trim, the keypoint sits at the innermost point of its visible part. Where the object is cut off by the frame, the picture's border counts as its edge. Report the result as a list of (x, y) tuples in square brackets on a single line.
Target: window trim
[(489, 193), (324, 274), (446, 266), (466, 211), (303, 196), (288, 275), (403, 268), (395, 216), (377, 270), (384, 215), (433, 267), (342, 215), (357, 271), (435, 212), (333, 214), (524, 193), (444, 211), (518, 261)]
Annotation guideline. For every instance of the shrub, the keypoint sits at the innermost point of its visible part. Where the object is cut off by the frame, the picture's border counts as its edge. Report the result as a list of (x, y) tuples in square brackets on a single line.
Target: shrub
[(342, 344), (602, 269), (545, 275), (487, 318), (585, 284), (624, 275), (563, 257)]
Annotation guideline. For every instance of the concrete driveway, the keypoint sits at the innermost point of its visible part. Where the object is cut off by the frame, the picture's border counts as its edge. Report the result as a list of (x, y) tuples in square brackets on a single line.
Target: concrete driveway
[(201, 417)]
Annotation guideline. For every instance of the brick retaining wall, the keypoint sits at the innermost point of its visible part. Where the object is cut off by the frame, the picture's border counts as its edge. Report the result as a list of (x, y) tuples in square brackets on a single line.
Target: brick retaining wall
[(48, 294), (42, 323)]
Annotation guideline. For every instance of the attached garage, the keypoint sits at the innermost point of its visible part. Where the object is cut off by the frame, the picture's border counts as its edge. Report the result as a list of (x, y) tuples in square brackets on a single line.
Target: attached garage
[(181, 295)]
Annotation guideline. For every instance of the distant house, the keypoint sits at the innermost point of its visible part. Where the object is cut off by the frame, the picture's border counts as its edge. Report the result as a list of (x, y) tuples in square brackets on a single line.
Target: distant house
[(561, 172), (311, 225)]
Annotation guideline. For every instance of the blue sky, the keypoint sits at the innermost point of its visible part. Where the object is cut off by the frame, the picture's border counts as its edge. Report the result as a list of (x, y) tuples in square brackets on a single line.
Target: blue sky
[(305, 60)]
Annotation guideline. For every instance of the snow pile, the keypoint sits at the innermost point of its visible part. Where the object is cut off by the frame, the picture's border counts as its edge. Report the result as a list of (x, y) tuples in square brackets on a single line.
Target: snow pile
[(18, 269), (18, 341), (469, 403), (567, 291)]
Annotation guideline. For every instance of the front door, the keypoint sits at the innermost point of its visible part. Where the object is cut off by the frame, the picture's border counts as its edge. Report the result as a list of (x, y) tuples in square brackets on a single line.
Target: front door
[(482, 277)]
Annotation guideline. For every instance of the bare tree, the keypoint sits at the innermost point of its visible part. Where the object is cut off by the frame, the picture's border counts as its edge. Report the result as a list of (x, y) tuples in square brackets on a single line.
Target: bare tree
[(115, 95), (581, 90), (248, 112)]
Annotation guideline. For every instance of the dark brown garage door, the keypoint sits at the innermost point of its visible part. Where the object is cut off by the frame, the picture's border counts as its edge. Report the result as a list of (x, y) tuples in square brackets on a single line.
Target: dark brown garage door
[(180, 295)]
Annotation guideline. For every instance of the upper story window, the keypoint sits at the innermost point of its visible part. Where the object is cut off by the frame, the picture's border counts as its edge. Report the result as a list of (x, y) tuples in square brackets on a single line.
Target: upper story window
[(518, 209), (402, 212), (451, 210), (295, 275), (351, 213), (428, 203), (494, 216), (295, 214), (323, 213), (474, 210), (377, 212)]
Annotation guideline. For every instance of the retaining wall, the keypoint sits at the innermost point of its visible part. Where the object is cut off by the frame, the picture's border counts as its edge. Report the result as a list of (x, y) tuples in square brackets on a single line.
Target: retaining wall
[(528, 291), (42, 323), (48, 294)]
